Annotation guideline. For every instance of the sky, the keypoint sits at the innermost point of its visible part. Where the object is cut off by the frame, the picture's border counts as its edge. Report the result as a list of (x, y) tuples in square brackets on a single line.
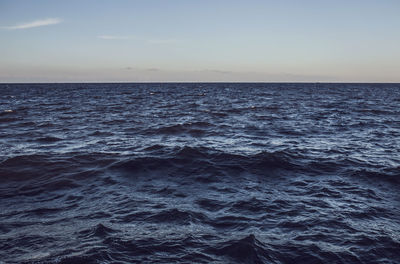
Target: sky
[(199, 41)]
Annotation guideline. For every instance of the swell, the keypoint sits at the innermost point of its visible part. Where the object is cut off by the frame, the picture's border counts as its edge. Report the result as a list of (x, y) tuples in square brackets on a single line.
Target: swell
[(209, 162), (185, 161), (205, 163), (243, 249)]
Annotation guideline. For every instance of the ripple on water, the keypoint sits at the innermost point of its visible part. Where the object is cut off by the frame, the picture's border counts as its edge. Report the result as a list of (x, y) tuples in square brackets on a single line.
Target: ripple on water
[(199, 173)]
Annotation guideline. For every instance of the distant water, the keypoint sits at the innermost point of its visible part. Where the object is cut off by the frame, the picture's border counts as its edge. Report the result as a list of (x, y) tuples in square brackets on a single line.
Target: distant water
[(200, 173)]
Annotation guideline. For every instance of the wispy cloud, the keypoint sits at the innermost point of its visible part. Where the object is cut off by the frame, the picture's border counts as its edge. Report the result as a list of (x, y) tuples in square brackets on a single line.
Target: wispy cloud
[(161, 41), (142, 69), (153, 70), (36, 23), (114, 37), (217, 71), (146, 40)]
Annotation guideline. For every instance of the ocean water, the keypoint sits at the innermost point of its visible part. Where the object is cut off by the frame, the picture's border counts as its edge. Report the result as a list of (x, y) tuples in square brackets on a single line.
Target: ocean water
[(200, 173)]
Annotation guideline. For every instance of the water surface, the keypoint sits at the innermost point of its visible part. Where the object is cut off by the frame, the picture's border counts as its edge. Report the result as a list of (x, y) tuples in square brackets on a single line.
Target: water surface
[(199, 173)]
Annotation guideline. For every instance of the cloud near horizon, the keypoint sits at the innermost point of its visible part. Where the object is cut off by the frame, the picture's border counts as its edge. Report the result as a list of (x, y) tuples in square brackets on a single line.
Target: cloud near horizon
[(36, 23)]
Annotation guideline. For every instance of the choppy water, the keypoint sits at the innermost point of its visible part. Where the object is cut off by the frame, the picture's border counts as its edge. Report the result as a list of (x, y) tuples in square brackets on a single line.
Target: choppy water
[(200, 173)]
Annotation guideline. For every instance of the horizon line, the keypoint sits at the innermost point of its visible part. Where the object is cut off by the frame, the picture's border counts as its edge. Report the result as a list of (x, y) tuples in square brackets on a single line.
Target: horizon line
[(205, 82)]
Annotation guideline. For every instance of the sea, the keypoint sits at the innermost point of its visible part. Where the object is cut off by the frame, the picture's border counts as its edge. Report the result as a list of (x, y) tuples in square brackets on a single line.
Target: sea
[(200, 173)]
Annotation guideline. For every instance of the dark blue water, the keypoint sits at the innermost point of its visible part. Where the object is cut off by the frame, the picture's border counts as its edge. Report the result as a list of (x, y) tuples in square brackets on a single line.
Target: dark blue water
[(200, 173)]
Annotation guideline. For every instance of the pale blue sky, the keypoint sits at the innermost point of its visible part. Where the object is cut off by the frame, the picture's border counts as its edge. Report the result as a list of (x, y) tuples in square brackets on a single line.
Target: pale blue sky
[(204, 40)]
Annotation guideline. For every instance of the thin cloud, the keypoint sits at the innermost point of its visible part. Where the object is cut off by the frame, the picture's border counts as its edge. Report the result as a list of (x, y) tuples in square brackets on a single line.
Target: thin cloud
[(127, 37), (161, 41), (217, 71), (153, 69), (142, 69), (36, 23), (114, 37)]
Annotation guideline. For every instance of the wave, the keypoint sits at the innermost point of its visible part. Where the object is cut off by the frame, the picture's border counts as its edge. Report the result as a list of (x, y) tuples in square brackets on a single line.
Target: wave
[(203, 163), (246, 250), (206, 162), (48, 139), (193, 128)]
